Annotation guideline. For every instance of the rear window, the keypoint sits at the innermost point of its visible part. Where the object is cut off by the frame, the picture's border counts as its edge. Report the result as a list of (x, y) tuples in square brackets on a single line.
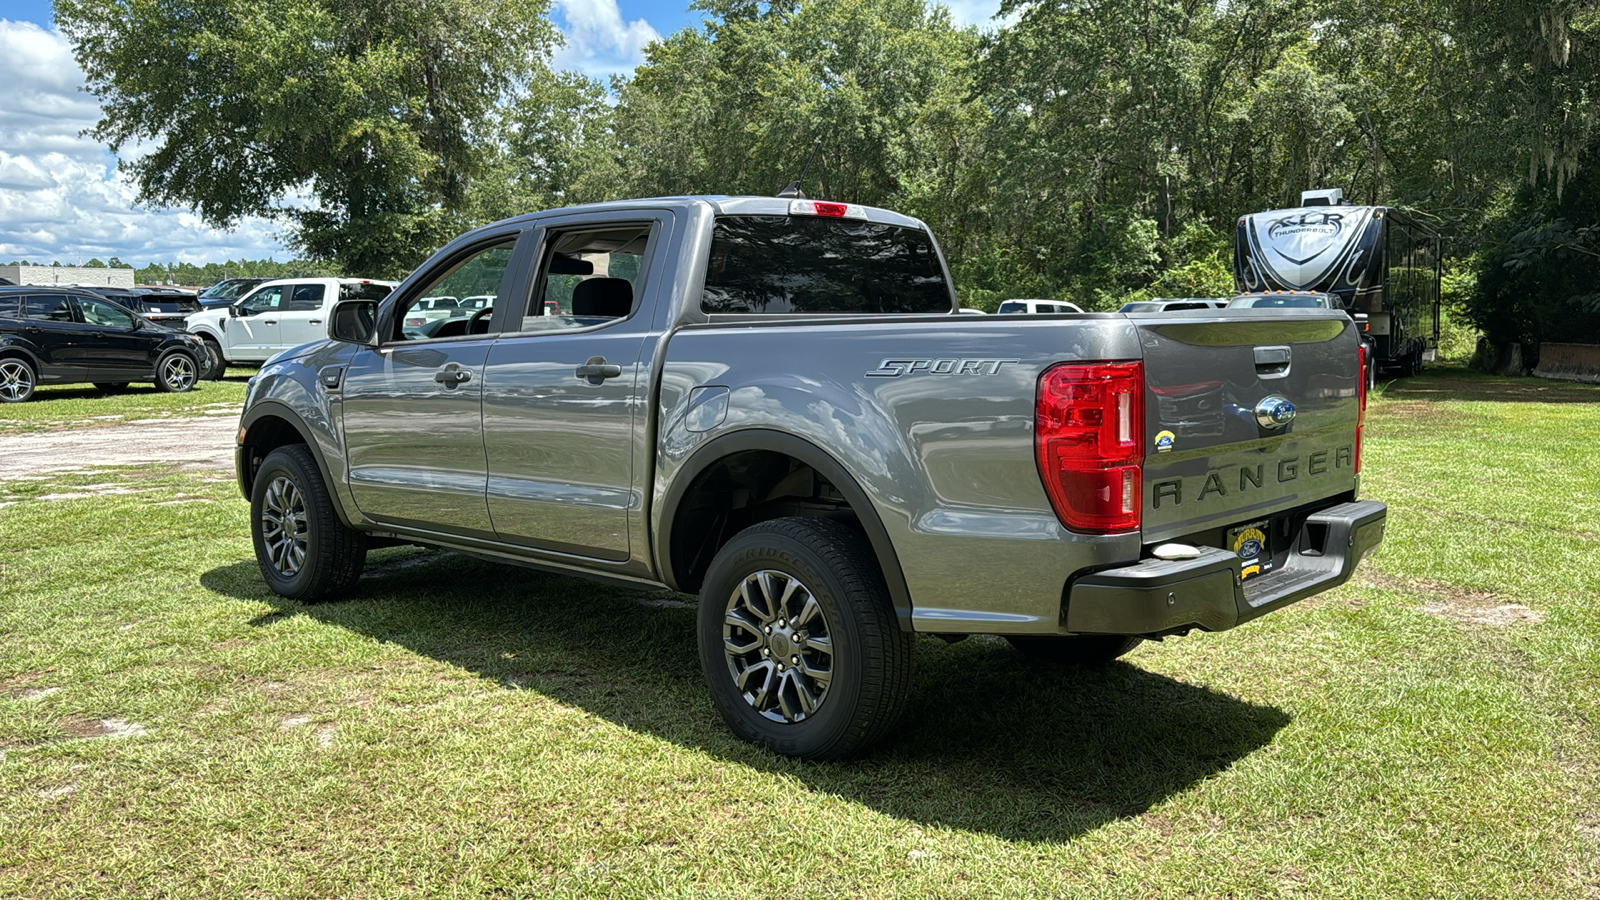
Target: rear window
[(170, 304), (363, 290), (1012, 306), (802, 264)]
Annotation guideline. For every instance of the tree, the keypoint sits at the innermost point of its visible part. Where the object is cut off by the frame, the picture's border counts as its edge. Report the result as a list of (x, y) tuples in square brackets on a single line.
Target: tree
[(354, 121)]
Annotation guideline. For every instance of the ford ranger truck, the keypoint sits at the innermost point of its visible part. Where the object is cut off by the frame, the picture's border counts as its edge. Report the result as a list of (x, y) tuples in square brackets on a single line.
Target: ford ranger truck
[(774, 404)]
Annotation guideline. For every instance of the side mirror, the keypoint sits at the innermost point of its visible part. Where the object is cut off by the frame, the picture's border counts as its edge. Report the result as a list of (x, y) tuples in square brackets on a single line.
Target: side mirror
[(233, 311), (355, 322)]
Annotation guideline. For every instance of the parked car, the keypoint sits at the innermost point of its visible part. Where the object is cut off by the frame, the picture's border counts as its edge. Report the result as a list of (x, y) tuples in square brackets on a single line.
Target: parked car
[(51, 335), (163, 306), (1173, 304), (1040, 307), (763, 400), (275, 316), (1284, 300), (228, 290)]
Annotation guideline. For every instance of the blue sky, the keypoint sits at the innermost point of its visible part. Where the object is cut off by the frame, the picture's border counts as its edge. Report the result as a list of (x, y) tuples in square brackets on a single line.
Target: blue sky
[(61, 197)]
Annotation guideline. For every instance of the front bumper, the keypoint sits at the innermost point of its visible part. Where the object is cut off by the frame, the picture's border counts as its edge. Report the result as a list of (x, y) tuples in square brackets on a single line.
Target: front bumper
[(1159, 596)]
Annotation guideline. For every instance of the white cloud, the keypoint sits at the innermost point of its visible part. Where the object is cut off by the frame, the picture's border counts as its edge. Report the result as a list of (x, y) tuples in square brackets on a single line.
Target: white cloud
[(599, 42), (61, 196)]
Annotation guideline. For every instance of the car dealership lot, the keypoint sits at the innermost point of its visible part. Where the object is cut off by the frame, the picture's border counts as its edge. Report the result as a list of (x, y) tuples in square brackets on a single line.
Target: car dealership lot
[(460, 728)]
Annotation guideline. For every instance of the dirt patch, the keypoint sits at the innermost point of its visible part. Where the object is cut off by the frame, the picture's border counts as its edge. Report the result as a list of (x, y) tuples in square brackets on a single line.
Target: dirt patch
[(90, 490), (1453, 602), (78, 727), (1497, 616), (204, 444)]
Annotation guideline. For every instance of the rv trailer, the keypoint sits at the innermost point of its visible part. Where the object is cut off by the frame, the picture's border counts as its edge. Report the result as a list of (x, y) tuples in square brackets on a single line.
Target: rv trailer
[(1375, 260)]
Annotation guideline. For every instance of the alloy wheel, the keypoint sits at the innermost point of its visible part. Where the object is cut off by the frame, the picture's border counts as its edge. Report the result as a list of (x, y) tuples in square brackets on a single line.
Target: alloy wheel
[(16, 380), (778, 645), (283, 526), (178, 372)]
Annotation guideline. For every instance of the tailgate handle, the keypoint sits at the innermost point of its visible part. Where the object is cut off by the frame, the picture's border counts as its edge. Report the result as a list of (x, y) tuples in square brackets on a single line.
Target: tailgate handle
[(1272, 362)]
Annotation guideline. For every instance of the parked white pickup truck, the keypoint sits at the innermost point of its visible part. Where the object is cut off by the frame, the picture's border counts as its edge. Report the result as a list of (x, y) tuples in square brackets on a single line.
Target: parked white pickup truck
[(275, 316)]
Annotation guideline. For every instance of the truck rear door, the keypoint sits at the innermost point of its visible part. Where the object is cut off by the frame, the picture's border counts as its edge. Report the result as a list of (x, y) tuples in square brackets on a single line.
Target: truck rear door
[(1247, 415)]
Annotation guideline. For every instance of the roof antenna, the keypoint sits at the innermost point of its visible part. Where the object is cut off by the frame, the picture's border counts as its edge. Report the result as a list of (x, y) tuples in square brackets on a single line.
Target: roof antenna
[(793, 191)]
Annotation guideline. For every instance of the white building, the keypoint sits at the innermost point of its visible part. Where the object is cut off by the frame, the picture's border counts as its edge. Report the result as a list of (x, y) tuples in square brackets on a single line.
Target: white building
[(122, 278)]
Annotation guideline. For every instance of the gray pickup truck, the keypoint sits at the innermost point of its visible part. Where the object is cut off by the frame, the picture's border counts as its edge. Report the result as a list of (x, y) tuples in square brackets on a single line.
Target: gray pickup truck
[(774, 403)]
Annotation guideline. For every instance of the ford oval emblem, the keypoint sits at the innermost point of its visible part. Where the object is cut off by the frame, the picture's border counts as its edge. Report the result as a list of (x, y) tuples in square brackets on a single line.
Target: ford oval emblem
[(1274, 412)]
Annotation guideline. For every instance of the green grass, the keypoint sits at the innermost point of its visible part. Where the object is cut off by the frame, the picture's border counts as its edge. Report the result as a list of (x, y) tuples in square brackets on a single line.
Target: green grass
[(465, 729), (60, 406)]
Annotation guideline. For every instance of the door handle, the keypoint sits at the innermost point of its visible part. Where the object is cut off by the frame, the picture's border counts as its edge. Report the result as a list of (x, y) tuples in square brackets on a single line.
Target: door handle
[(269, 321), (315, 322), (452, 375), (597, 370)]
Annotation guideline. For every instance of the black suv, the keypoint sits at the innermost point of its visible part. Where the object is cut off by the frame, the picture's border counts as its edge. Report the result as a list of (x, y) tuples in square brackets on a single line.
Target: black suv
[(67, 335), (163, 306)]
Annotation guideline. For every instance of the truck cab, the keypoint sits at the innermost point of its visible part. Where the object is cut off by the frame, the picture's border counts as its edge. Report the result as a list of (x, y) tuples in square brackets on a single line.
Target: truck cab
[(275, 316)]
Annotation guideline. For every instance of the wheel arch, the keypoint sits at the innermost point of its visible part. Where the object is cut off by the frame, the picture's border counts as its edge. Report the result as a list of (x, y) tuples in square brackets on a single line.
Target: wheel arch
[(269, 425), (17, 351), (683, 561)]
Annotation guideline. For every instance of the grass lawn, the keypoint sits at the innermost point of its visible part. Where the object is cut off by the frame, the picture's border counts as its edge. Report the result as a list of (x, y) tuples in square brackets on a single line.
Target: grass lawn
[(168, 728), (86, 406)]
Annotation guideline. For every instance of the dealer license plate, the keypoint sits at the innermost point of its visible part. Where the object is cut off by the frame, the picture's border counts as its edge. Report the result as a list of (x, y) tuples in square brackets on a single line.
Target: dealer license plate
[(1249, 543)]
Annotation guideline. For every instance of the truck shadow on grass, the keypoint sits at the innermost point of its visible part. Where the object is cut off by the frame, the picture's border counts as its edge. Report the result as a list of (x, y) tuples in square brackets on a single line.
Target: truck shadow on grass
[(990, 742)]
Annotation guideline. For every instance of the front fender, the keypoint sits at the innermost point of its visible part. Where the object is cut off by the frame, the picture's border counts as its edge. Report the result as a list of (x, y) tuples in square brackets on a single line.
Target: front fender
[(287, 392)]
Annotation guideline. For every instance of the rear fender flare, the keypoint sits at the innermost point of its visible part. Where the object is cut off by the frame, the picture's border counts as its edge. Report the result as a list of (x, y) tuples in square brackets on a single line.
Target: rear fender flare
[(718, 449)]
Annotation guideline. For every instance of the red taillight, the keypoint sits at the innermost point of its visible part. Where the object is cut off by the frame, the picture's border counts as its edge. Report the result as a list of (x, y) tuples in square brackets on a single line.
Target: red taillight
[(1088, 441), (1361, 391), (832, 210)]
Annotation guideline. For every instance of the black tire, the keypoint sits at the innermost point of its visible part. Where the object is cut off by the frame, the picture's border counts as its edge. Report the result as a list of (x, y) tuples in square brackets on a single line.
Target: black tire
[(111, 387), (867, 656), (1076, 650), (215, 365), (177, 372), (17, 380), (304, 551)]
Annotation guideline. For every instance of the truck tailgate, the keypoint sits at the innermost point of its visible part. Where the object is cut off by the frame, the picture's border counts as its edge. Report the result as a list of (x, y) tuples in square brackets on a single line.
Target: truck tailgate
[(1247, 413)]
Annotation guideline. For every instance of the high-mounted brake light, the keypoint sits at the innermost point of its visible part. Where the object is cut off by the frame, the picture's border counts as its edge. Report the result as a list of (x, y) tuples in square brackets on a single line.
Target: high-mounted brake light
[(826, 210), (1088, 440), (1361, 392)]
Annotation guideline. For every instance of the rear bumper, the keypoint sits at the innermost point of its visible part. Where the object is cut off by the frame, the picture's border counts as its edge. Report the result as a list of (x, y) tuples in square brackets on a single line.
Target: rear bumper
[(1157, 596)]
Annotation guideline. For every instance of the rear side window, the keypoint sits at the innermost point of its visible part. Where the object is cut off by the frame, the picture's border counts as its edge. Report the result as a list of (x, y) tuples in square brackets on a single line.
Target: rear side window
[(364, 290), (50, 307), (10, 306), (1013, 306), (305, 298), (801, 264)]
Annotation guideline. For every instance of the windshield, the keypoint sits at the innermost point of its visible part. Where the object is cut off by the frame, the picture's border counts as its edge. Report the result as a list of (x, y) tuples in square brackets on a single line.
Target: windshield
[(231, 289), (803, 264)]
